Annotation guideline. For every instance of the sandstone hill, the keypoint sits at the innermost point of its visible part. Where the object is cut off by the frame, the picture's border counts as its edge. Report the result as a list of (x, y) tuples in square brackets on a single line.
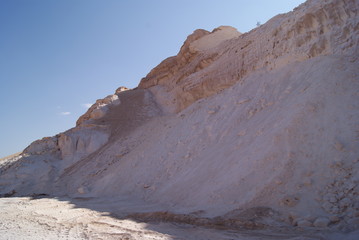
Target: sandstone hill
[(259, 129)]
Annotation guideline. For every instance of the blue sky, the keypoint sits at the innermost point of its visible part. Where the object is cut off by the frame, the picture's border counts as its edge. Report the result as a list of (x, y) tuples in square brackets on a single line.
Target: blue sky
[(56, 57)]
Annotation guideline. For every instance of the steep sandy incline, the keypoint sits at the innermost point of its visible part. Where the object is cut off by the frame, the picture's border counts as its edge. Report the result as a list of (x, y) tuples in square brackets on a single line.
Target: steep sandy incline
[(259, 128), (285, 140)]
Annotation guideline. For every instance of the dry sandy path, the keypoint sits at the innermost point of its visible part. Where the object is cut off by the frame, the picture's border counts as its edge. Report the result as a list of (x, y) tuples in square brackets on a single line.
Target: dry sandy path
[(49, 218)]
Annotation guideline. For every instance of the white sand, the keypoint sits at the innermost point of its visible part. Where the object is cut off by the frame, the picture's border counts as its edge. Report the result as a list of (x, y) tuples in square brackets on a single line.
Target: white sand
[(49, 218)]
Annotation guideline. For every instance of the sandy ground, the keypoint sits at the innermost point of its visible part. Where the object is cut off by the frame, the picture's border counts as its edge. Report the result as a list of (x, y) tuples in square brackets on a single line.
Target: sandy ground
[(49, 218)]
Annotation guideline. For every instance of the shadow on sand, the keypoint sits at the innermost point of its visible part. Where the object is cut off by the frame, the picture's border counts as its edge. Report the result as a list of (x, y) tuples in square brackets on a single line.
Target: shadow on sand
[(185, 226)]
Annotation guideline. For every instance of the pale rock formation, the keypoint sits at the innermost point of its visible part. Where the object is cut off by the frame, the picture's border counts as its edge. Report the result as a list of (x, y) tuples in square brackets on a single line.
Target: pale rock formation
[(55, 156), (258, 128), (121, 89), (321, 222), (99, 109), (316, 28), (47, 144), (82, 140), (197, 53), (212, 40)]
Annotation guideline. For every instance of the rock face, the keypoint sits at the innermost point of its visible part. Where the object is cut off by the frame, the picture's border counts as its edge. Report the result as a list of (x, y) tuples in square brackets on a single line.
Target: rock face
[(204, 66), (99, 109), (235, 123), (177, 73)]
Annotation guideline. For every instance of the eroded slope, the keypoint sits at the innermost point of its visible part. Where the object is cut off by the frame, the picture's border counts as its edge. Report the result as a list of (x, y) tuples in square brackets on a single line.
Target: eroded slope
[(234, 123)]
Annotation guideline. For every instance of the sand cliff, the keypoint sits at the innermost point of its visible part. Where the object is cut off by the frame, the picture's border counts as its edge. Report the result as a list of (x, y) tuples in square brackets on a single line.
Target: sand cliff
[(258, 128)]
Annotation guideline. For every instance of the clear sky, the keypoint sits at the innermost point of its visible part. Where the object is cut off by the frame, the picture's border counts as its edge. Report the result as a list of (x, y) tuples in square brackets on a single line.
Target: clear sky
[(56, 57)]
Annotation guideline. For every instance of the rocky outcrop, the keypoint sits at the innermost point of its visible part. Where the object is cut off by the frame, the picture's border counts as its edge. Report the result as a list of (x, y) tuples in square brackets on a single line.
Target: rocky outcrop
[(99, 109), (82, 141), (197, 53), (208, 64), (108, 119), (42, 146)]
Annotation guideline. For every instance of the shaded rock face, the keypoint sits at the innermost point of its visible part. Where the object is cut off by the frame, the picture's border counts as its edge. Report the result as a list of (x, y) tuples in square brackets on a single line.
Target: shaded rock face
[(197, 53), (47, 144), (99, 109), (85, 140), (256, 124)]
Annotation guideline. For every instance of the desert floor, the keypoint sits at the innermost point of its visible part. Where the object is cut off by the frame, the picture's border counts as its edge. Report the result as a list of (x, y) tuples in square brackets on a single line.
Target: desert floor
[(55, 218)]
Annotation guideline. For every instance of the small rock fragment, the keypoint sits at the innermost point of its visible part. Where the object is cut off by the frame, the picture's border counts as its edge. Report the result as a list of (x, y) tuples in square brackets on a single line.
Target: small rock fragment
[(81, 190), (290, 201), (334, 219), (321, 222), (339, 146), (304, 223)]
